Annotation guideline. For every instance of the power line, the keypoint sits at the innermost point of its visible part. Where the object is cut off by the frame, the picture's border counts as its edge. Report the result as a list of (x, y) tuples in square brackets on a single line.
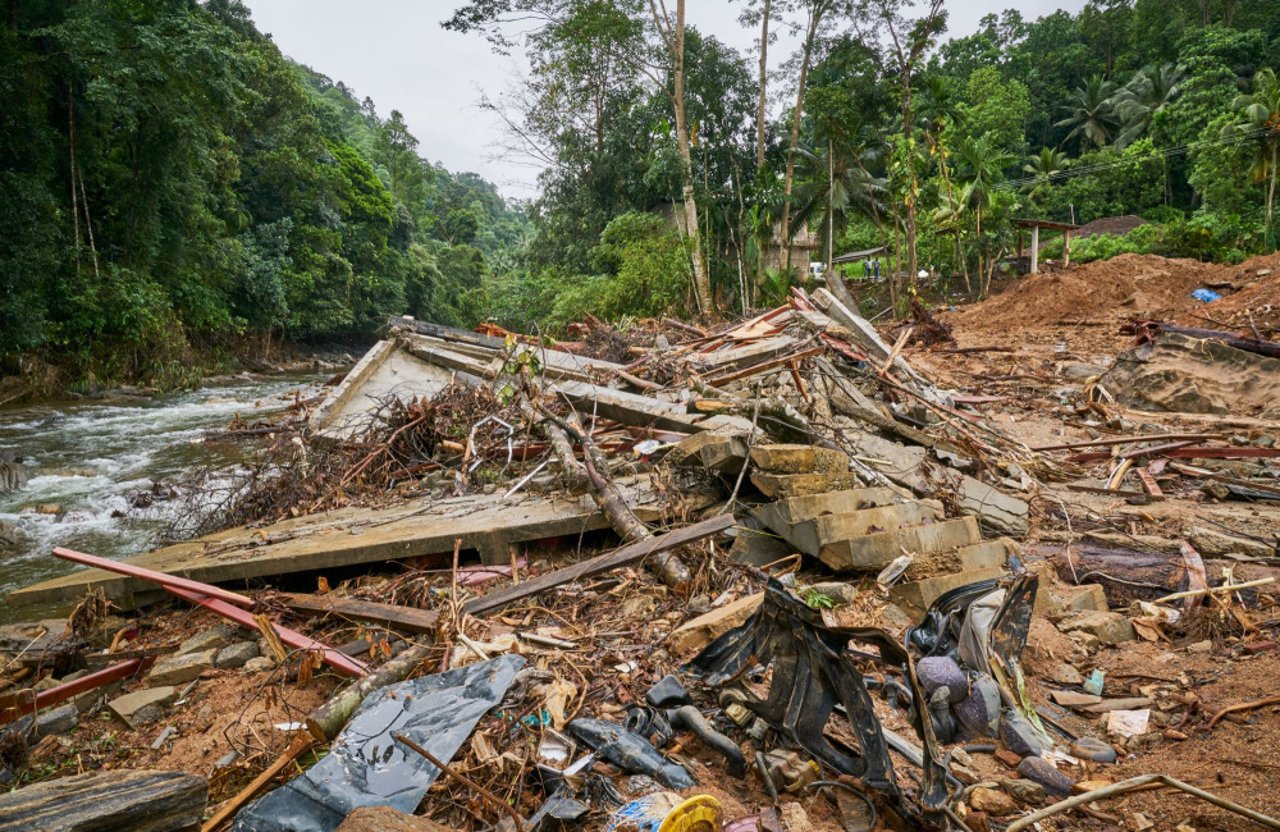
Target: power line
[(1096, 167)]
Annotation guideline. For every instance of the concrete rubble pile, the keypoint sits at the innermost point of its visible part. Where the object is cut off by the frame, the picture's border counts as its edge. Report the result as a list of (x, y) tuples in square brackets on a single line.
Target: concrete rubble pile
[(772, 577)]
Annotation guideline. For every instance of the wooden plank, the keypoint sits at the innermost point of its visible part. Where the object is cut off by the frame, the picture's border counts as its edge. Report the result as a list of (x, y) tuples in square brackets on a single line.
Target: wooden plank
[(628, 554), (140, 801), (227, 810), (1124, 440), (1149, 481), (634, 409), (739, 355), (348, 537), (389, 615), (764, 366)]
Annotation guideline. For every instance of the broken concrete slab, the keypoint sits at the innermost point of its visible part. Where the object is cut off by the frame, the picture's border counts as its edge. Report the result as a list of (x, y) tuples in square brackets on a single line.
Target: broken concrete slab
[(758, 548), (794, 509), (697, 633), (781, 486), (994, 509), (876, 551), (723, 452), (810, 536), (1215, 543), (917, 596), (354, 536), (174, 670), (798, 459), (143, 706)]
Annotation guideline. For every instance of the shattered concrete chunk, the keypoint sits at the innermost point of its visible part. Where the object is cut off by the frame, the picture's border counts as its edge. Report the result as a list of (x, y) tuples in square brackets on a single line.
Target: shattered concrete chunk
[(143, 706), (174, 670), (235, 655), (799, 459), (778, 486), (692, 636), (1110, 628), (211, 639)]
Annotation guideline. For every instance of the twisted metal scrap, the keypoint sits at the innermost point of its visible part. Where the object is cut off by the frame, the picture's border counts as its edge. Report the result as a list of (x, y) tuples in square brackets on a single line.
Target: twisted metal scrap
[(812, 672)]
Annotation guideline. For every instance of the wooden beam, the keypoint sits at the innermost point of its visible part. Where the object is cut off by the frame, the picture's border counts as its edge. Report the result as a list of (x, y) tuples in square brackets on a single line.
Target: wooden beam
[(1124, 440), (228, 809), (140, 801), (400, 617), (604, 563)]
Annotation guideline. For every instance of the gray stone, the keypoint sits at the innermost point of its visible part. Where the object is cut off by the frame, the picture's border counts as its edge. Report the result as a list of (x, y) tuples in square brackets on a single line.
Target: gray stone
[(1213, 543), (210, 639), (1027, 792), (943, 671), (174, 670), (1019, 735), (143, 706), (1107, 627), (260, 664), (979, 713), (1066, 674), (44, 724), (235, 655), (1046, 774), (1088, 748), (759, 548), (1078, 371)]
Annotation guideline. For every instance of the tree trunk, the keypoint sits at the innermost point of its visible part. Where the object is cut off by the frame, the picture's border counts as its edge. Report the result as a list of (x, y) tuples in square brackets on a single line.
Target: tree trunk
[(911, 184), (761, 105), (325, 722), (701, 278), (784, 229), (1268, 236)]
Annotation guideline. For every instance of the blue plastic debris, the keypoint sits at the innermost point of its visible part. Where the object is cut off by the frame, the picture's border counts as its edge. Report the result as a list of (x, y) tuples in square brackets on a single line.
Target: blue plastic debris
[(1094, 683), (1206, 295)]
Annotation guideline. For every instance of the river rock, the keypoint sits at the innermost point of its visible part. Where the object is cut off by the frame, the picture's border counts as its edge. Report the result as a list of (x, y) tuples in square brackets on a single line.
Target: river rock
[(943, 671), (1088, 748), (1046, 774), (259, 664), (10, 534), (1019, 735)]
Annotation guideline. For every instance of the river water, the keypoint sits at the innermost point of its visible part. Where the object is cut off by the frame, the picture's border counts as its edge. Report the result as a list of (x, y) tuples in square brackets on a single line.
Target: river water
[(90, 461)]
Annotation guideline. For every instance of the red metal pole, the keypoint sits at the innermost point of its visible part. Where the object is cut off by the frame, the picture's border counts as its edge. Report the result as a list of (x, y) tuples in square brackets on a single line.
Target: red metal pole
[(63, 692), (337, 660), (165, 580)]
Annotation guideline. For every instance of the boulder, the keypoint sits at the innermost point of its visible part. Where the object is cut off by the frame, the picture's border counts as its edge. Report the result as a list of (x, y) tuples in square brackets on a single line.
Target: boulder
[(939, 671)]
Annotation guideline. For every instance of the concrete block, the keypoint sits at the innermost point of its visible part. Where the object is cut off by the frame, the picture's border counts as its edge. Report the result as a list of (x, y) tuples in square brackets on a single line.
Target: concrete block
[(143, 706), (799, 459), (723, 452), (809, 536), (794, 509), (174, 670), (917, 596), (759, 548), (982, 555), (779, 486), (996, 510), (876, 551), (692, 636)]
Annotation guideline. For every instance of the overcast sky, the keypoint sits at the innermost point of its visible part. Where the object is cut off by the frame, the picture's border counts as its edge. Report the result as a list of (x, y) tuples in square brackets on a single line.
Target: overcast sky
[(395, 52)]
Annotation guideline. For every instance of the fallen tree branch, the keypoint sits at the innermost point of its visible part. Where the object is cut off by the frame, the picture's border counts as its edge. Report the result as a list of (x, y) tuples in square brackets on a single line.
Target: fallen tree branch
[(464, 780), (325, 722), (1243, 706), (1133, 784)]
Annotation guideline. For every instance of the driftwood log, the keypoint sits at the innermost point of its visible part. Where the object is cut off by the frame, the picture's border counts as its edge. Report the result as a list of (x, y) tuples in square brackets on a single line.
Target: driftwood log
[(325, 722), (140, 801)]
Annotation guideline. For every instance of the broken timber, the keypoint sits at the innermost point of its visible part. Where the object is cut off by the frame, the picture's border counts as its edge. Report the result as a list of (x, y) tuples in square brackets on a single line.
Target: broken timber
[(352, 536), (628, 554), (409, 619), (140, 801)]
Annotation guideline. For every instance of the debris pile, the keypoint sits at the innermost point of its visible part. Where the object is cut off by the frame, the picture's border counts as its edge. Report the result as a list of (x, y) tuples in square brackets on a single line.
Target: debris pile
[(786, 575)]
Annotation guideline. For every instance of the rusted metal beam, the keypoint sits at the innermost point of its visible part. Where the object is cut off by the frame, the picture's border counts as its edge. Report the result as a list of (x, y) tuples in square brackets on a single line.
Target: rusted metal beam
[(31, 702), (162, 578), (337, 660)]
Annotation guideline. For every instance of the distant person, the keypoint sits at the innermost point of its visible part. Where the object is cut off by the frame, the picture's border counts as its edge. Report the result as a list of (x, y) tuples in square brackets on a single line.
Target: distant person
[(876, 267), (866, 268)]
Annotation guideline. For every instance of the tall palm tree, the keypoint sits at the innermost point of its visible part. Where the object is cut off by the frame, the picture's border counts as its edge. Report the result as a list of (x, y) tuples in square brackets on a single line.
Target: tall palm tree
[(1093, 118), (1045, 167), (1258, 114), (1146, 94), (981, 167)]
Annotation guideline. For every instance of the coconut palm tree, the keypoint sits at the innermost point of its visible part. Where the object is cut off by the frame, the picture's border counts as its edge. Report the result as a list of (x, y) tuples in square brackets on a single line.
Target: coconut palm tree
[(1258, 115), (1093, 117), (1045, 167), (1146, 94)]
